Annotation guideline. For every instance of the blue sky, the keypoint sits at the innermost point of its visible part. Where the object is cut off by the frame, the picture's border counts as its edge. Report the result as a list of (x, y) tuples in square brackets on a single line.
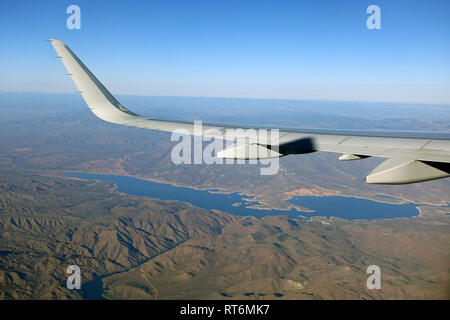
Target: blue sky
[(255, 49)]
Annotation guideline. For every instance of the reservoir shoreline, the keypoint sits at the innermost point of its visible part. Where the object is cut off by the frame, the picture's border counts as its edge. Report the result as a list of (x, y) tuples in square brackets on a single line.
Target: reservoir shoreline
[(351, 208)]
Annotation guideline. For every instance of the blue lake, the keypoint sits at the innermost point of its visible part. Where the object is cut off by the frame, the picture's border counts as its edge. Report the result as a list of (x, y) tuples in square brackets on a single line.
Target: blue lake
[(342, 207)]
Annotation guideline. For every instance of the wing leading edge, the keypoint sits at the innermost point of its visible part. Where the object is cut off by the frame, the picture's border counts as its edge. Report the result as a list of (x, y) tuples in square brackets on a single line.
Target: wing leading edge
[(412, 157)]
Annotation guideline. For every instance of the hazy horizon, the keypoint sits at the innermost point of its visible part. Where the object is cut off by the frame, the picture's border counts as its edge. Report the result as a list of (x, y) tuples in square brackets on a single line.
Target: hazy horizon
[(319, 50), (118, 94)]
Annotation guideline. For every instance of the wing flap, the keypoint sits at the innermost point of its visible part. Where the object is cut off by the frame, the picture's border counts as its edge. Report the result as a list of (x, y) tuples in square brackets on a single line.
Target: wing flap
[(404, 171)]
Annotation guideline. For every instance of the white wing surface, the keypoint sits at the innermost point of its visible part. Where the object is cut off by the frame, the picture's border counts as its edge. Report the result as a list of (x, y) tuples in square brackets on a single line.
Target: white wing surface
[(411, 156)]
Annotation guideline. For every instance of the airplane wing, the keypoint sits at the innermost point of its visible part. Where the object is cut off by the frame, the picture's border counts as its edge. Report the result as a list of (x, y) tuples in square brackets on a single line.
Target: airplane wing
[(411, 156)]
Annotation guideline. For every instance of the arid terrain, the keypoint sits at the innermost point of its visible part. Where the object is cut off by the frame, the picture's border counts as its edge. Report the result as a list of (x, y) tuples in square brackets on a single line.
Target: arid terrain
[(145, 248), (170, 250)]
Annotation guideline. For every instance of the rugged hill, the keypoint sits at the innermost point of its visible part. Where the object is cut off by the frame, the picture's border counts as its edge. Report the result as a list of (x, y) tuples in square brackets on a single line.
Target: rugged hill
[(154, 249), (47, 224)]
